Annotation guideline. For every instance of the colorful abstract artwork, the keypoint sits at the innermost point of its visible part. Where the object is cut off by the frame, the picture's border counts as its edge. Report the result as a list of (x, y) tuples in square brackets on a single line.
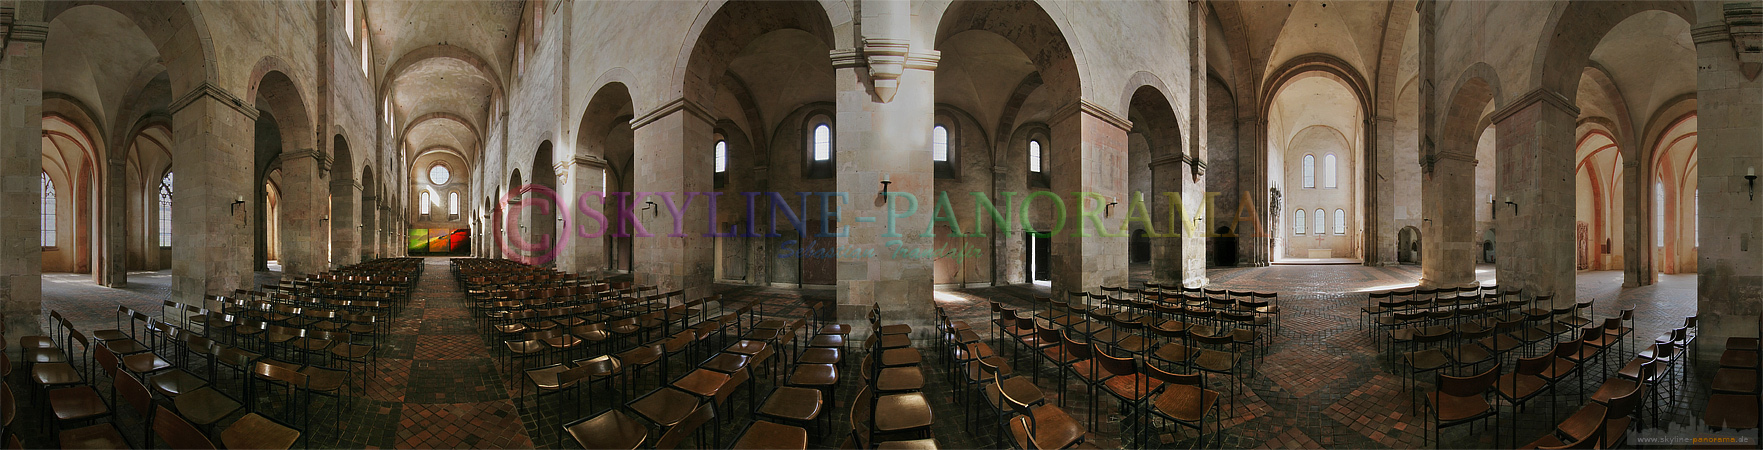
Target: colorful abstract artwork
[(439, 241)]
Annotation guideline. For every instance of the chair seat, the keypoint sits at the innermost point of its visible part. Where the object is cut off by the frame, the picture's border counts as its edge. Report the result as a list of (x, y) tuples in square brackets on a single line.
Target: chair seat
[(1731, 411), (665, 406), (901, 412), (1613, 388), (1742, 359), (546, 377), (1216, 361), (820, 356), (1515, 386), (793, 403), (77, 403), (44, 356), (144, 363), (640, 356), (1734, 381), (1468, 354), (1186, 403), (256, 431), (110, 335), (896, 329), (55, 374), (767, 435), (1559, 370), (563, 342), (746, 347), (1021, 389), (901, 357), (835, 329), (100, 436), (35, 342), (174, 383), (351, 351), (1500, 343), (1053, 429), (1174, 353), (702, 382), (727, 362), (609, 430), (892, 341), (899, 379), (1089, 371), (1058, 355), (205, 406), (1453, 408), (814, 375), (827, 340), (1132, 387)]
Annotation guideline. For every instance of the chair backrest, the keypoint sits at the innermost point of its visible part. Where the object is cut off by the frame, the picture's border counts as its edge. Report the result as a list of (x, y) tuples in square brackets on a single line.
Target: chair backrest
[(1590, 440), (1077, 351), (672, 437), (134, 393), (106, 360), (1625, 404), (1113, 364), (728, 388), (178, 432), (1159, 374), (1468, 386)]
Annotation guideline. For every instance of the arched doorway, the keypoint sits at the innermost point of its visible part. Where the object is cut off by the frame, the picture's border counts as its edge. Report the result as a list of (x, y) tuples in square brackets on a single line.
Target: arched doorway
[(1408, 246)]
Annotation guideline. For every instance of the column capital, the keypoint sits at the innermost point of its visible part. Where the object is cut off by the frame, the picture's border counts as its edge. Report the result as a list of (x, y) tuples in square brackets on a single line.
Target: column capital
[(1085, 106), (676, 105), (1539, 95), (589, 161), (26, 31), (220, 95), (887, 59)]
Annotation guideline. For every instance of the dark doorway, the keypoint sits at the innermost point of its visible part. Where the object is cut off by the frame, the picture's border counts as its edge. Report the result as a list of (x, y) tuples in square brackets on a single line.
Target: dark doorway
[(1140, 249), (1408, 246), (1039, 257)]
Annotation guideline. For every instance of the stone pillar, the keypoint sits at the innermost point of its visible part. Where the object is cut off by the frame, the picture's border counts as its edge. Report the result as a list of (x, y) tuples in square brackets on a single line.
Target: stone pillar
[(1535, 157), (21, 169), (1380, 210), (369, 226), (114, 271), (345, 237), (1007, 249), (1194, 198), (582, 255), (304, 197), (1253, 238), (671, 157), (1729, 131), (886, 132), (1447, 196), (1169, 262), (1090, 143), (1637, 223), (211, 226)]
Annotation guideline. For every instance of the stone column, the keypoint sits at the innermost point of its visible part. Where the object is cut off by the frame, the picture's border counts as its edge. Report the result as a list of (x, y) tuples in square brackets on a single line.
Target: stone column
[(1535, 157), (304, 197), (672, 148), (345, 237), (21, 169), (1380, 210), (1638, 267), (886, 132), (583, 255), (1253, 238), (114, 272), (1729, 101), (211, 227), (1090, 142), (1447, 196), (1169, 255), (369, 226), (1007, 251)]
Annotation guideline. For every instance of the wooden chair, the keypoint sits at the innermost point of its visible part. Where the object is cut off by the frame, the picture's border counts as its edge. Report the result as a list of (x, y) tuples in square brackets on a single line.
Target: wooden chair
[(1045, 427), (1185, 401), (177, 432), (1461, 400), (766, 435), (259, 432)]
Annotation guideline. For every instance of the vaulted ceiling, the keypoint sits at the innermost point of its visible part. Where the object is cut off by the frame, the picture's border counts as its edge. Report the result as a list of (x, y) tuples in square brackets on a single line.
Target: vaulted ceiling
[(444, 63)]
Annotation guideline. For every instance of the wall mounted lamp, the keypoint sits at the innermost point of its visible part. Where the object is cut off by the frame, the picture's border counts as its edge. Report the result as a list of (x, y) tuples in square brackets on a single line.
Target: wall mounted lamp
[(654, 207), (1751, 181), (326, 218), (885, 184), (1514, 205)]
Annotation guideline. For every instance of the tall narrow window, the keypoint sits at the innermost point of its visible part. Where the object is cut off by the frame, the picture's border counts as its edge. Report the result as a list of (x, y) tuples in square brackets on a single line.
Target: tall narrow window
[(365, 67), (939, 143), (423, 206), (1697, 212), (48, 229), (823, 142), (721, 156), (1659, 213), (1309, 171), (453, 204), (1340, 221), (1328, 171), (1298, 226), (1034, 156), (165, 211), (1321, 219), (349, 19)]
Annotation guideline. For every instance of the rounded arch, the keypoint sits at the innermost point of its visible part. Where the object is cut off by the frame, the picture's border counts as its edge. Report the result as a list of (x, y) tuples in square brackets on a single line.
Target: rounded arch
[(342, 160), (723, 29), (1476, 88), (610, 101), (179, 31), (411, 58), (1152, 114), (273, 91), (1576, 28), (1038, 28), (1314, 65)]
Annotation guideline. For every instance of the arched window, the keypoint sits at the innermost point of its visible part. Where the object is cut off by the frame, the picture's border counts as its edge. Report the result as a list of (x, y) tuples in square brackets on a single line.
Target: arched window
[(939, 143), (1659, 213), (1034, 156), (349, 19), (1309, 171), (1340, 221), (823, 142), (1696, 212), (1328, 171), (453, 203), (48, 211), (1298, 226), (423, 206), (721, 156), (165, 211), (1321, 219)]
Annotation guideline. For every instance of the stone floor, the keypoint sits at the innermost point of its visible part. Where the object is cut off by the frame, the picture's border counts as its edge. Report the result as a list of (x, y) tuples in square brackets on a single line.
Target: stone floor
[(1321, 384)]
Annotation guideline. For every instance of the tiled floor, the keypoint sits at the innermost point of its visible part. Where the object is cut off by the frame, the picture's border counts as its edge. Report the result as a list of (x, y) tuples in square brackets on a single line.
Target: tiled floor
[(1321, 384)]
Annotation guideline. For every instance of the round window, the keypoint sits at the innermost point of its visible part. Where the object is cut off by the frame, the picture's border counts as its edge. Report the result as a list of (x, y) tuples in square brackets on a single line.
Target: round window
[(438, 174)]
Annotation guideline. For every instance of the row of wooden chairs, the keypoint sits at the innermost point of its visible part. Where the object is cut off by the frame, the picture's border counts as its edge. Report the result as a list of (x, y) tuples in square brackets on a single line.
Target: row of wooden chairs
[(1737, 396)]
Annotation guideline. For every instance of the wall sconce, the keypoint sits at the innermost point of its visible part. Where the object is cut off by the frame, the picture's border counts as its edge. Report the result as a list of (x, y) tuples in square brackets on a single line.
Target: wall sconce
[(1751, 181), (1110, 206), (1514, 205), (885, 184), (327, 218), (646, 208)]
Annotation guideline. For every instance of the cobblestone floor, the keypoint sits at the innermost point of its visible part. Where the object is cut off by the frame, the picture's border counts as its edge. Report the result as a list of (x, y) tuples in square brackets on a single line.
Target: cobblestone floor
[(1321, 383)]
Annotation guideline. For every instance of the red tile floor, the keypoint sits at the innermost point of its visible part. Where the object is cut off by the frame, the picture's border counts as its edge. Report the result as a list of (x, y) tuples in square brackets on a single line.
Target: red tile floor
[(1321, 384)]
